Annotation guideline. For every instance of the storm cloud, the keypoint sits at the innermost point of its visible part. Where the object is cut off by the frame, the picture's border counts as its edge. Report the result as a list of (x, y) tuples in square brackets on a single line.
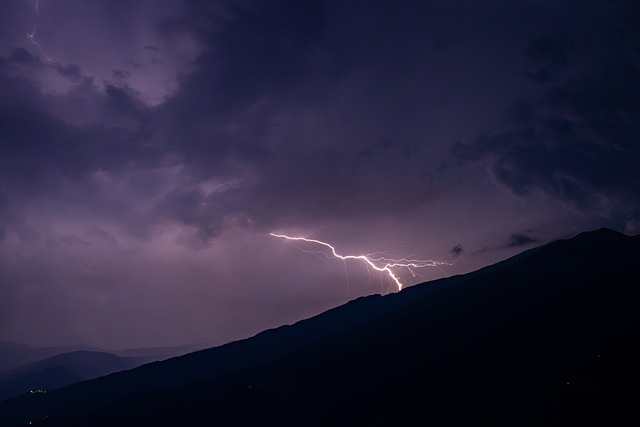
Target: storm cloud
[(143, 166)]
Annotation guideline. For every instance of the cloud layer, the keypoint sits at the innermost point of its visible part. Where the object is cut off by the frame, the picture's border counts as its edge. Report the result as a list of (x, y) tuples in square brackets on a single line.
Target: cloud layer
[(143, 165)]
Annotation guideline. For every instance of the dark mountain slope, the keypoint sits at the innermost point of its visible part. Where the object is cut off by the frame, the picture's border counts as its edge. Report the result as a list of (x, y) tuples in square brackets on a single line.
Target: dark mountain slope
[(546, 338)]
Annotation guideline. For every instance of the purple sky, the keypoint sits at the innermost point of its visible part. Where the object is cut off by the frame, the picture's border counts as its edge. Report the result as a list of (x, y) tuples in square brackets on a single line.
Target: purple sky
[(147, 149)]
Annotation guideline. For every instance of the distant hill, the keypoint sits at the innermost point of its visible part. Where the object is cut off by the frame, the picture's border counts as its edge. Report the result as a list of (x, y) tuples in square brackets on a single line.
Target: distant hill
[(39, 368), (545, 338), (14, 355), (60, 370)]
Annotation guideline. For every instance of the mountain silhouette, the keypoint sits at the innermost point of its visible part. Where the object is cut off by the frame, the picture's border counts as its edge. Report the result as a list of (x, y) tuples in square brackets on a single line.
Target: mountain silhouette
[(39, 368), (61, 370), (545, 338), (15, 355)]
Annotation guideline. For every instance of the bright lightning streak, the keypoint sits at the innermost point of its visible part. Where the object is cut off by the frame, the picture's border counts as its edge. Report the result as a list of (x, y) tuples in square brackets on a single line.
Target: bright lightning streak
[(381, 264), (32, 35)]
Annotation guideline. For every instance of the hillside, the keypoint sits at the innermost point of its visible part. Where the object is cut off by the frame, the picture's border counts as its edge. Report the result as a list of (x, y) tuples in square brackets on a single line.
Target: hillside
[(546, 338)]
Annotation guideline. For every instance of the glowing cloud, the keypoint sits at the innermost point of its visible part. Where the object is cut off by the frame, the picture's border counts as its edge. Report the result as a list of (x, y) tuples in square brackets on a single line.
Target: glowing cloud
[(378, 263)]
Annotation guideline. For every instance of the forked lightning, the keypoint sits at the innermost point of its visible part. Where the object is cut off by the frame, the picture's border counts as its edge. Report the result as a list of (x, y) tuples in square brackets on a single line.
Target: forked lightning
[(381, 264), (32, 35)]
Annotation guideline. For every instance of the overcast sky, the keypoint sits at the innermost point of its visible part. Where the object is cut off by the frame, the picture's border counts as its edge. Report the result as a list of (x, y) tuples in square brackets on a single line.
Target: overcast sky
[(148, 148)]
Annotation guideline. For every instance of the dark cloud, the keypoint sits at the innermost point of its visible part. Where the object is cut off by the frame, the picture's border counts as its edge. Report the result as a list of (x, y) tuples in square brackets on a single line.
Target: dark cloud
[(22, 56), (195, 209), (121, 101), (4, 216), (441, 45), (72, 72), (261, 85), (457, 250), (517, 240), (37, 147), (120, 74), (541, 75), (265, 49), (546, 50), (577, 142)]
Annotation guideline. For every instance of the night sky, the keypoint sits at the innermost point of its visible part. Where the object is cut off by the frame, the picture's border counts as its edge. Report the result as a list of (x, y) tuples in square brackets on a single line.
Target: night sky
[(148, 148)]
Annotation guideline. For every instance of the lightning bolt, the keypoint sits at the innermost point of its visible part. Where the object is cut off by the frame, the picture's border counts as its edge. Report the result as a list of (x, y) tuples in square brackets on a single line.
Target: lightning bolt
[(378, 263), (32, 35)]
